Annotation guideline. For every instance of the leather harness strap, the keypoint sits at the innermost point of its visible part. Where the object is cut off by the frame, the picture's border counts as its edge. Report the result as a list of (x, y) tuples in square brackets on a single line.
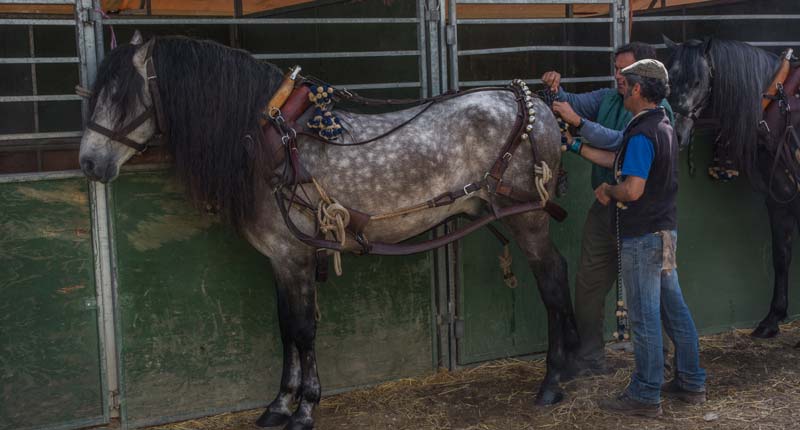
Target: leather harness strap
[(526, 201)]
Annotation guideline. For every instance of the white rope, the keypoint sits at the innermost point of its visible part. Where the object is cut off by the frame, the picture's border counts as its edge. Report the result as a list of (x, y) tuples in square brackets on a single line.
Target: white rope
[(333, 218), (543, 175)]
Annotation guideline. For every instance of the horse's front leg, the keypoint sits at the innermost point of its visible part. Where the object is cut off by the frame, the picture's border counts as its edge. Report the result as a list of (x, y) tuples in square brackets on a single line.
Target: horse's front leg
[(280, 409), (782, 222), (550, 269), (296, 311)]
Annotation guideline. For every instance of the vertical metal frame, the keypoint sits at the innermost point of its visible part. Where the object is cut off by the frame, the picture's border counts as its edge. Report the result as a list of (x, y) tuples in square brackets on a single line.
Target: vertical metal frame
[(88, 33), (618, 24)]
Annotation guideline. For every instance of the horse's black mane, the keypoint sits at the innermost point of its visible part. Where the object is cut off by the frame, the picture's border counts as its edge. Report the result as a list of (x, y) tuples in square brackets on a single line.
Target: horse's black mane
[(212, 97), (118, 75), (741, 74)]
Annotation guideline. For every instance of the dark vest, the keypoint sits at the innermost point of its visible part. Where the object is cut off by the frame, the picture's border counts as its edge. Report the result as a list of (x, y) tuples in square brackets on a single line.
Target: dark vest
[(657, 208), (612, 114)]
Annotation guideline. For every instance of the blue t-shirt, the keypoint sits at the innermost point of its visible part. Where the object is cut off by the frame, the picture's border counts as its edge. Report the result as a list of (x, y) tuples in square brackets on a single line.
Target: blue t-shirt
[(638, 157)]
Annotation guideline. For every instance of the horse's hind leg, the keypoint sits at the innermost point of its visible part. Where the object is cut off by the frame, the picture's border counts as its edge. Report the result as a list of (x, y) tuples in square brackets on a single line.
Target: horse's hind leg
[(550, 269), (297, 313), (782, 222)]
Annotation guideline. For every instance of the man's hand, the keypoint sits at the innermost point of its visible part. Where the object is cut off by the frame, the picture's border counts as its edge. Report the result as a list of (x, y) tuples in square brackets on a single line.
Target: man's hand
[(552, 79), (601, 193), (564, 110)]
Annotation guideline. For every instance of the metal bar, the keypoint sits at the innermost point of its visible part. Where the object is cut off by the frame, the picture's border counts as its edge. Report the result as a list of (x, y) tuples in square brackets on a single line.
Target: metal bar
[(433, 44), (355, 54), (40, 176), (421, 48), (451, 36), (535, 81), (765, 43), (32, 136), (535, 1), (245, 21), (34, 85), (104, 274), (46, 98), (714, 18), (39, 60), (378, 86), (469, 21), (554, 48), (59, 22), (38, 2)]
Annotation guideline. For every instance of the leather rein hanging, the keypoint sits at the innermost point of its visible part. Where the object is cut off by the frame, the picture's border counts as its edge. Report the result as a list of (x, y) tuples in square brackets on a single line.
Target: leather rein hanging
[(287, 183), (154, 112)]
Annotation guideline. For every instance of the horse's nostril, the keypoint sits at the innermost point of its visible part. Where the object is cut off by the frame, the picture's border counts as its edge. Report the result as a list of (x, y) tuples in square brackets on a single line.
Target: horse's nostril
[(88, 165)]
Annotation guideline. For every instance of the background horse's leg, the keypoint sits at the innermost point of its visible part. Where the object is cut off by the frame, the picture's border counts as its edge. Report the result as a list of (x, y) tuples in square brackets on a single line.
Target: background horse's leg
[(782, 221), (297, 313), (550, 269), (279, 411)]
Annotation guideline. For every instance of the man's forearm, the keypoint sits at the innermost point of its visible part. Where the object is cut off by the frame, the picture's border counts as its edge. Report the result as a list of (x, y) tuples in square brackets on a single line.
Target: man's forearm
[(601, 137), (585, 104), (600, 157)]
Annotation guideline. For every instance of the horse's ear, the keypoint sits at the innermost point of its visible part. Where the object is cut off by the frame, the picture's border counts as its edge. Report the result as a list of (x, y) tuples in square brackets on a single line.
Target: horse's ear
[(137, 38), (706, 45), (670, 44), (140, 56)]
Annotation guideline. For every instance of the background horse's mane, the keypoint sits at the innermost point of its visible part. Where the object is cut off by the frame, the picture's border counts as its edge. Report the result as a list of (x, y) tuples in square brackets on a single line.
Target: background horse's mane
[(741, 74), (212, 97)]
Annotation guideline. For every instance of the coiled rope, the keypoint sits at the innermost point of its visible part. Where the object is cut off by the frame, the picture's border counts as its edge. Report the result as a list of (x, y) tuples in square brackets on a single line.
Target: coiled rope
[(332, 218)]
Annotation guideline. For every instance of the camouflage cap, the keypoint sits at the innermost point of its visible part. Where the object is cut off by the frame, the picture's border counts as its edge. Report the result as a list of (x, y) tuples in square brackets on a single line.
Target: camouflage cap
[(648, 68)]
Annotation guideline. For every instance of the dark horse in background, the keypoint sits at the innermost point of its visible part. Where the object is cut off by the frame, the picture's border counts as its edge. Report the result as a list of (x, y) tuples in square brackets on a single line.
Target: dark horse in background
[(212, 98), (730, 77)]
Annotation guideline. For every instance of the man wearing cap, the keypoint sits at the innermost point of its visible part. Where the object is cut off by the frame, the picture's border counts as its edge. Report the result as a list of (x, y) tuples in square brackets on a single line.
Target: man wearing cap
[(600, 117), (644, 202)]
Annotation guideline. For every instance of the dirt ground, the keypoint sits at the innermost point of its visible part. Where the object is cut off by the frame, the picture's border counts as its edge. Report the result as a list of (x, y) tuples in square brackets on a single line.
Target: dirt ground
[(752, 383)]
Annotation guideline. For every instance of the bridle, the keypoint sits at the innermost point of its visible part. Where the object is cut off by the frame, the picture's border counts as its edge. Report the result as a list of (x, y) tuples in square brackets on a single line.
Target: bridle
[(692, 113), (153, 111)]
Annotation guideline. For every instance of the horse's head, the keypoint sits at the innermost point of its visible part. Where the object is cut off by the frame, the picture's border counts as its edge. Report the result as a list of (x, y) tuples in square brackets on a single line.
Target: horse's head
[(122, 120), (690, 76)]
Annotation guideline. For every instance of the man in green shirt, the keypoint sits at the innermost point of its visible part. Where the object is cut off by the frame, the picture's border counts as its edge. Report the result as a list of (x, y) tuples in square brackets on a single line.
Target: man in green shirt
[(600, 116)]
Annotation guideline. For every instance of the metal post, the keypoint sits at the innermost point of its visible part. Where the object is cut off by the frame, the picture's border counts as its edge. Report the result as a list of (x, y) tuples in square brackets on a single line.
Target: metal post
[(86, 32), (451, 38), (422, 17), (433, 13)]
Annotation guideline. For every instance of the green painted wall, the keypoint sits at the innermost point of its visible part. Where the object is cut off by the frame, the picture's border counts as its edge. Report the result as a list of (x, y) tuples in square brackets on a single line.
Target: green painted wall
[(724, 264), (198, 314), (49, 353)]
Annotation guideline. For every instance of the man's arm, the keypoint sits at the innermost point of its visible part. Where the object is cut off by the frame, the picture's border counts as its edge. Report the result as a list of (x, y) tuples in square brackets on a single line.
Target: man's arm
[(600, 157), (631, 189), (636, 169), (601, 137), (586, 105)]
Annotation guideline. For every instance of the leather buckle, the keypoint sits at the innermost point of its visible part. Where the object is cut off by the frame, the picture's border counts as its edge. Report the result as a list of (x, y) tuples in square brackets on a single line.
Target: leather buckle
[(466, 192), (507, 156)]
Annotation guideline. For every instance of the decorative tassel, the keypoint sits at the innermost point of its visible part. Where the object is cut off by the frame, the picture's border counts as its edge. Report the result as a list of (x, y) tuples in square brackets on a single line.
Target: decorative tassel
[(505, 265)]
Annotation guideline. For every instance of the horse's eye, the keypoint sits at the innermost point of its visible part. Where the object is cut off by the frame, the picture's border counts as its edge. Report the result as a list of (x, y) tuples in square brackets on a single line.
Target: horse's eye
[(695, 84)]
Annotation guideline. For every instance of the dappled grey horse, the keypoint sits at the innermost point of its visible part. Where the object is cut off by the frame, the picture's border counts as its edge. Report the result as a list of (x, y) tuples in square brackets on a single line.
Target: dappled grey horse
[(208, 103), (728, 78)]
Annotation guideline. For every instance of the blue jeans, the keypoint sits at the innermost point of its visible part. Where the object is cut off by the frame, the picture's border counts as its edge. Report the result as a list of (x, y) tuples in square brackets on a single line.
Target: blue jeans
[(654, 298)]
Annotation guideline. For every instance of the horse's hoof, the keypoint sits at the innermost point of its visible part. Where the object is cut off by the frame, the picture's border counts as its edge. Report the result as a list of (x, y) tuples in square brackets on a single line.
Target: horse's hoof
[(272, 419), (549, 397), (296, 425), (765, 331)]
